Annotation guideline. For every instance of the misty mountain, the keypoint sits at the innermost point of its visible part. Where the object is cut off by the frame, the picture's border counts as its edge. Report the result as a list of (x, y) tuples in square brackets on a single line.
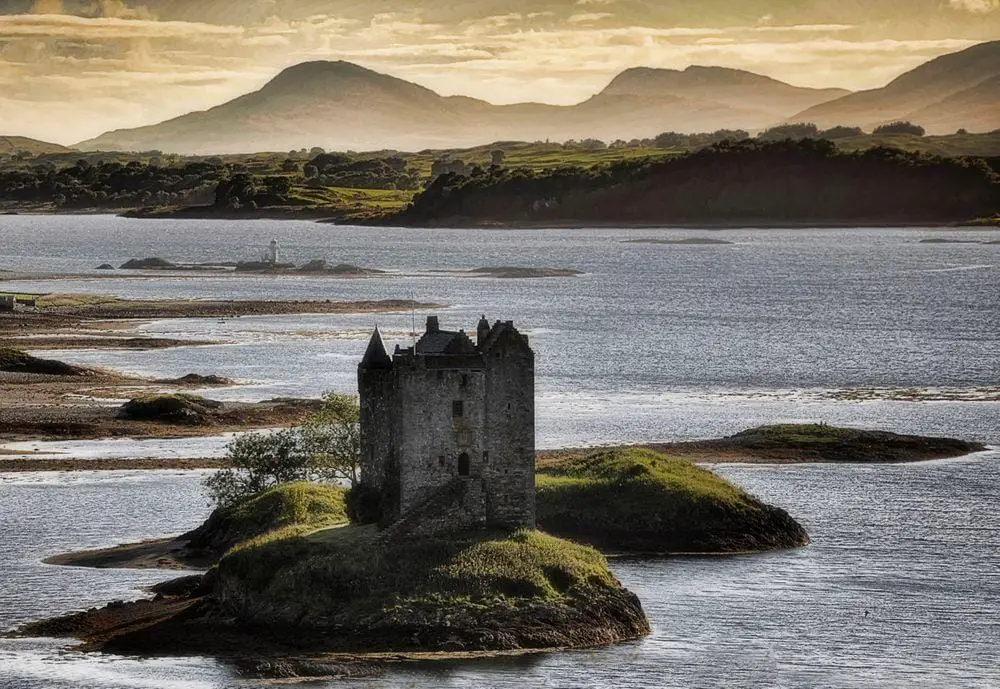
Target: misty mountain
[(959, 90), (339, 105)]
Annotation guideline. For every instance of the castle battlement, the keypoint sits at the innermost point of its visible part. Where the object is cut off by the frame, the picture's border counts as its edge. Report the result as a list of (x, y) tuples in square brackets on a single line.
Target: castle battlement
[(449, 410)]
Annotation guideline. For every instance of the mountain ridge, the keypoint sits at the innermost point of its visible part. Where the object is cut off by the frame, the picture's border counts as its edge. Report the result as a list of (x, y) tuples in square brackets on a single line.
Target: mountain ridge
[(925, 95), (342, 105)]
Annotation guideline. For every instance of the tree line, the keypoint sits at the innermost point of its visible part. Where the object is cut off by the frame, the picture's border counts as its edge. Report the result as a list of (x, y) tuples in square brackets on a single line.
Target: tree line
[(788, 180)]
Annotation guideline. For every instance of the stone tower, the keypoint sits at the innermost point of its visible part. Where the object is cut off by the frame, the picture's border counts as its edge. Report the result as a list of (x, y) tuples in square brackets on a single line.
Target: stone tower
[(451, 413)]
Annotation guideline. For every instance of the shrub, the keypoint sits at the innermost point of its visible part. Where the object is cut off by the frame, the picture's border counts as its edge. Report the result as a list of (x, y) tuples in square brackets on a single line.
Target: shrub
[(802, 130), (324, 450), (900, 128), (840, 132)]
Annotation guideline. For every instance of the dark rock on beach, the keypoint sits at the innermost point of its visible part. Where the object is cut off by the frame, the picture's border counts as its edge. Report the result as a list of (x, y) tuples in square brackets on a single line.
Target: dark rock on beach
[(16, 361), (146, 264)]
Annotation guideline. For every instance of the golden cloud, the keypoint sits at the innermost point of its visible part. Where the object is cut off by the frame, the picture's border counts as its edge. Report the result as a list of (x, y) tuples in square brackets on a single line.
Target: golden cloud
[(103, 28), (975, 6)]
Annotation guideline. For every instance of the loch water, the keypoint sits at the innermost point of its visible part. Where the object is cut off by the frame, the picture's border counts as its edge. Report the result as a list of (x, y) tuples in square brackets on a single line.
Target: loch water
[(900, 586)]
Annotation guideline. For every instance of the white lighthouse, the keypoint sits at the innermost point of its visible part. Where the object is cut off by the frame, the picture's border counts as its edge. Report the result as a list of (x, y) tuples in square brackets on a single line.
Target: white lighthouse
[(272, 253)]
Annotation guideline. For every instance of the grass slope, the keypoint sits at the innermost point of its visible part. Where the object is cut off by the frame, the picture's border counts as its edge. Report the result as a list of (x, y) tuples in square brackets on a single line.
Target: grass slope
[(289, 510), (637, 500), (15, 144)]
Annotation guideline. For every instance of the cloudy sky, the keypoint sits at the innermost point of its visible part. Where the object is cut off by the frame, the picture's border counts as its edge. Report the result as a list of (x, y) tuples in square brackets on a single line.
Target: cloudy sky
[(71, 69)]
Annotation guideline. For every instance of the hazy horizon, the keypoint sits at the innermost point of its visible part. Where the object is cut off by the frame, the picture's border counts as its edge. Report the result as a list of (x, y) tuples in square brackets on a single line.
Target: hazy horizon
[(72, 69)]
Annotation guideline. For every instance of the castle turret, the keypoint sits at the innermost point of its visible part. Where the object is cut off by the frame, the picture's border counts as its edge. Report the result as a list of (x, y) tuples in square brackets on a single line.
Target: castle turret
[(378, 406), (376, 355)]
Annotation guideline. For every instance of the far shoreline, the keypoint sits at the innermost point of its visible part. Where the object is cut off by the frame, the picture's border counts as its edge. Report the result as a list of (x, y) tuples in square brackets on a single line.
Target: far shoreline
[(333, 218), (741, 448)]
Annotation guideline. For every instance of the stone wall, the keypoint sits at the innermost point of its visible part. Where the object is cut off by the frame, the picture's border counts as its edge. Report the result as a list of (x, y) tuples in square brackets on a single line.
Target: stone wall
[(432, 437)]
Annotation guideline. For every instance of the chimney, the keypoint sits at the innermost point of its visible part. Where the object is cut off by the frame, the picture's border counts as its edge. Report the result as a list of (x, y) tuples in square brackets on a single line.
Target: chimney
[(482, 331), (432, 324)]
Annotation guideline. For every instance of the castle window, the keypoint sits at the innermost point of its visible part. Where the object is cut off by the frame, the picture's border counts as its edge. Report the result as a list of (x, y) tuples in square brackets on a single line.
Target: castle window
[(458, 409), (464, 465), (486, 457), (465, 380), (441, 460)]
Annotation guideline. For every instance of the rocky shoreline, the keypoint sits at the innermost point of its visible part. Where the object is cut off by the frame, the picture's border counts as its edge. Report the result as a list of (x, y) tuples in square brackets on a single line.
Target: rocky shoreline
[(51, 400)]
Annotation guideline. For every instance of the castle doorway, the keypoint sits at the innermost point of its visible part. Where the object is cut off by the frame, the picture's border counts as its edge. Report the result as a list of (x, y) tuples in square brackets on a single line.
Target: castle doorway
[(464, 465)]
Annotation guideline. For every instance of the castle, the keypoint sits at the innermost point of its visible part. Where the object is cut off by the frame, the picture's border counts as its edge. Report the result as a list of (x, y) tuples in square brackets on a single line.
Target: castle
[(450, 413)]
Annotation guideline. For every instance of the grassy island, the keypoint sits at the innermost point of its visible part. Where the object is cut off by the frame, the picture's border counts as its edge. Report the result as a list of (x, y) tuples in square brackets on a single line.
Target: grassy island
[(295, 578), (636, 500), (789, 443)]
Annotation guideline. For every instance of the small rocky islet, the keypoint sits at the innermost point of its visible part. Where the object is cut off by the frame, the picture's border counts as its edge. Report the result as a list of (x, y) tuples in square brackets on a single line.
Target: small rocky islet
[(689, 241)]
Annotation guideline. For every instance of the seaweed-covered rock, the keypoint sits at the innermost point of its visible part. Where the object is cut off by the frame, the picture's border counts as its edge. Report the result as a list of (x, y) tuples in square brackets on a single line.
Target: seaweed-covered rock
[(321, 266), (187, 410), (146, 264), (16, 361), (198, 380)]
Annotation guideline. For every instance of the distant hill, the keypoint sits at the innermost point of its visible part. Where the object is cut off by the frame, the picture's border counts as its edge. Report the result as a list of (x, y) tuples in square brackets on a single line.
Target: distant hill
[(959, 90), (13, 144), (733, 88), (339, 105)]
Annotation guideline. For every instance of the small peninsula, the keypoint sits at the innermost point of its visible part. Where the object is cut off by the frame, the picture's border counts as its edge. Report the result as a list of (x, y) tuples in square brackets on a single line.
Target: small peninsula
[(289, 575), (514, 272), (805, 443), (690, 241)]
